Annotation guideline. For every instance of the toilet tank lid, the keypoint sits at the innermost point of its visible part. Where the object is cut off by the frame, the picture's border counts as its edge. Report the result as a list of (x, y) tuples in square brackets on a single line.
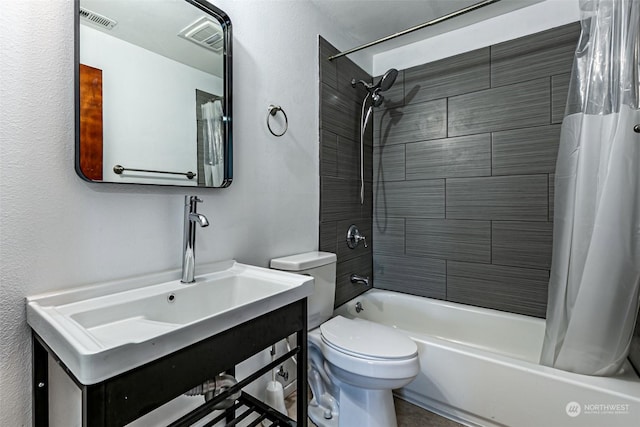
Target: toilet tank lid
[(303, 261)]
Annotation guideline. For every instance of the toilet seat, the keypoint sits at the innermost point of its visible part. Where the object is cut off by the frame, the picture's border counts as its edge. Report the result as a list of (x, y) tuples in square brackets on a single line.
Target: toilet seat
[(367, 340), (366, 370)]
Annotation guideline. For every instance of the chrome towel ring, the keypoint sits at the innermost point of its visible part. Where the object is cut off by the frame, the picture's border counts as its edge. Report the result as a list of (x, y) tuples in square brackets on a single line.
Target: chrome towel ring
[(273, 110)]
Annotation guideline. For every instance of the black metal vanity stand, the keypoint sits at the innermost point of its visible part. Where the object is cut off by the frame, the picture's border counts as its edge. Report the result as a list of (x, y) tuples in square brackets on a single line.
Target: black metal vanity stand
[(126, 397)]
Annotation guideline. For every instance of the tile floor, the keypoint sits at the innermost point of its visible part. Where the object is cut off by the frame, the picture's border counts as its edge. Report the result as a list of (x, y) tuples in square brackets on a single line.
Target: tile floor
[(408, 415)]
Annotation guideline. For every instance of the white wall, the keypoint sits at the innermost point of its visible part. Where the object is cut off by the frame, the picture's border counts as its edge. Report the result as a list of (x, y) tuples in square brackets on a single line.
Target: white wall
[(522, 22), (142, 130), (58, 231)]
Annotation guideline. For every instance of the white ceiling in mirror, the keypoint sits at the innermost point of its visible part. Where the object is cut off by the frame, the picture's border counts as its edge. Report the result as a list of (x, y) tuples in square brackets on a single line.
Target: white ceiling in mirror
[(369, 20), (155, 26)]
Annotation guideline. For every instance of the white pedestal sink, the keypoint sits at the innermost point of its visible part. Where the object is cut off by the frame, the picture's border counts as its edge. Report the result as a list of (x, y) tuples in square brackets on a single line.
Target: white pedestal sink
[(103, 330)]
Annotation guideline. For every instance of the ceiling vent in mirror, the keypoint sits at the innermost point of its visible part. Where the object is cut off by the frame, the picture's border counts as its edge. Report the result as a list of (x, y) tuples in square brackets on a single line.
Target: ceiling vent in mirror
[(97, 19), (204, 32)]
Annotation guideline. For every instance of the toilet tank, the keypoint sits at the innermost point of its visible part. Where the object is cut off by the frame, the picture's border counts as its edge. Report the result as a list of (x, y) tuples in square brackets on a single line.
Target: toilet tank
[(322, 267)]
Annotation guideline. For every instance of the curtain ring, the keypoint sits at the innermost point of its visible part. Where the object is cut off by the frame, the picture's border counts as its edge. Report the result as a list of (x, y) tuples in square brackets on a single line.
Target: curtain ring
[(273, 110)]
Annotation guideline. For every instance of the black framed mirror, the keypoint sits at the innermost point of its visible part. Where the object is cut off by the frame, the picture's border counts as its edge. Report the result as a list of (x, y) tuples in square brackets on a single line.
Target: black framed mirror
[(153, 92)]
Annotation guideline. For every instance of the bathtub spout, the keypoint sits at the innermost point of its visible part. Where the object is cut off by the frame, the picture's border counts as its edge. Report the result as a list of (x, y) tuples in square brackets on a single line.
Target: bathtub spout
[(359, 279)]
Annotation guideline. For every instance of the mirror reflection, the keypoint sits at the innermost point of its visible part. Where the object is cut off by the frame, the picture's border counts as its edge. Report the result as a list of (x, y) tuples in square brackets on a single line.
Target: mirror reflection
[(153, 101)]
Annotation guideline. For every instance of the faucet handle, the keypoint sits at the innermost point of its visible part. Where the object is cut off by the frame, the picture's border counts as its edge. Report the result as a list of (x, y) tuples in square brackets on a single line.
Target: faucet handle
[(192, 202), (354, 237)]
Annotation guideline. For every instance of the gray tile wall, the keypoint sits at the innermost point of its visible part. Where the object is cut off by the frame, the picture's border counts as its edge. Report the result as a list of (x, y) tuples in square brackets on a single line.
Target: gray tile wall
[(340, 206), (463, 168)]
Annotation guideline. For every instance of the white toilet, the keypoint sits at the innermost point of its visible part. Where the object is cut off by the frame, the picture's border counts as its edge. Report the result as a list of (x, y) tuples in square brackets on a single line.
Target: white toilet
[(353, 363)]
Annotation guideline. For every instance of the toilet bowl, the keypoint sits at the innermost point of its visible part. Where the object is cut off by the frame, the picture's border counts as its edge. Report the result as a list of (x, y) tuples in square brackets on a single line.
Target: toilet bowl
[(364, 361), (354, 364)]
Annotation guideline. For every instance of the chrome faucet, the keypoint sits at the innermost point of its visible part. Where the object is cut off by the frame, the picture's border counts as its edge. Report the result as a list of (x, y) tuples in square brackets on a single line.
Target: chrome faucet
[(354, 237), (359, 279), (191, 218)]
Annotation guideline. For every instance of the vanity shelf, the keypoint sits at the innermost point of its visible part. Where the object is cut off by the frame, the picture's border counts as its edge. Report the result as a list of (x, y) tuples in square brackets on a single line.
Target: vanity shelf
[(126, 397)]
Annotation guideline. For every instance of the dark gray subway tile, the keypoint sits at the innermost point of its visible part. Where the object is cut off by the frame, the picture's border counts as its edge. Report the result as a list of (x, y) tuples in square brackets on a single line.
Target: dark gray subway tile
[(343, 251), (464, 73), (339, 114), (507, 107), (518, 290), (328, 71), (345, 290), (417, 122), (368, 162), (451, 157), (423, 199), (521, 197), (538, 55), (348, 158), (388, 236), (559, 92), (449, 239), (389, 163), (525, 151), (414, 275), (339, 199), (521, 244), (328, 154), (552, 194), (340, 106), (328, 237)]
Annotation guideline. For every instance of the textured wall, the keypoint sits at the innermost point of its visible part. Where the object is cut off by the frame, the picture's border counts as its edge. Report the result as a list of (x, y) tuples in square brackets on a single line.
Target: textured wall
[(58, 231), (464, 156), (340, 109)]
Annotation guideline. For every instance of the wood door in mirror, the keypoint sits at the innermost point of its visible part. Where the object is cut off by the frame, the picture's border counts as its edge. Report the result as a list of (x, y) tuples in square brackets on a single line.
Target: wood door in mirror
[(163, 115)]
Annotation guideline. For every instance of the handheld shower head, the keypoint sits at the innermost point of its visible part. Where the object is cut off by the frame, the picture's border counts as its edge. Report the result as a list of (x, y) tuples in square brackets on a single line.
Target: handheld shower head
[(384, 84), (377, 99), (387, 80)]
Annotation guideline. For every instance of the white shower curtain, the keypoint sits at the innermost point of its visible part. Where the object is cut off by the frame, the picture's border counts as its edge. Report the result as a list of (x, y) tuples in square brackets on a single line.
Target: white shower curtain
[(595, 273), (213, 146)]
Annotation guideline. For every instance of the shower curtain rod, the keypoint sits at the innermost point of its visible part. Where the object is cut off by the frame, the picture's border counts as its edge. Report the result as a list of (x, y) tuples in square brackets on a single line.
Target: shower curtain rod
[(417, 27)]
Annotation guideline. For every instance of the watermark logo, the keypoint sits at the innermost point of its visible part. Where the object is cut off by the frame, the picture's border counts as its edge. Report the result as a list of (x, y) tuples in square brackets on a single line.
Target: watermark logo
[(573, 409)]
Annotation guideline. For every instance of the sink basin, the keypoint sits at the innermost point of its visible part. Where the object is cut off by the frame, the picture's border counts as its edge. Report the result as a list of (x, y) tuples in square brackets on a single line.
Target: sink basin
[(103, 330)]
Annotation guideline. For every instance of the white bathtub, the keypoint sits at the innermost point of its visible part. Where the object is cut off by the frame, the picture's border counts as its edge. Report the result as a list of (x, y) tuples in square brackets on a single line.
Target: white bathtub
[(480, 368)]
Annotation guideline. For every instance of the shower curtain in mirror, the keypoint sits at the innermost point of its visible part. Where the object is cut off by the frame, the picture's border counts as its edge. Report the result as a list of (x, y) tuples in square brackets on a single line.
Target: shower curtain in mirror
[(594, 283), (213, 146)]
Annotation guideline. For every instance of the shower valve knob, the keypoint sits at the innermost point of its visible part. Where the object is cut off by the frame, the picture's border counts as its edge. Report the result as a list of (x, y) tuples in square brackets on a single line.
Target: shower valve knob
[(354, 237), (636, 128)]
